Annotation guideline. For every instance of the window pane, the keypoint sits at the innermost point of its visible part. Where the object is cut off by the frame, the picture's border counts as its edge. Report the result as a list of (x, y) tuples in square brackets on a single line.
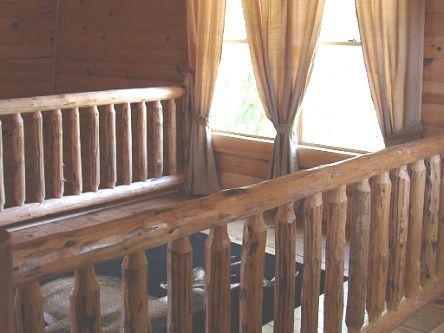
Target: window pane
[(234, 21), (338, 110), (236, 105), (339, 22)]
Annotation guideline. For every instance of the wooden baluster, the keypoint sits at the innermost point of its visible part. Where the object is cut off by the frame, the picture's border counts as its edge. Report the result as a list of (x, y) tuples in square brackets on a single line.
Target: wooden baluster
[(72, 152), (379, 243), (30, 304), (334, 263), (124, 145), (170, 137), (414, 240), (135, 294), (358, 265), (155, 140), (139, 130), (311, 284), (2, 173), (85, 302), (90, 148), (252, 274), (285, 268), (217, 281), (53, 132), (7, 319), (431, 216), (107, 131), (399, 219), (15, 131), (180, 280), (440, 255), (34, 161)]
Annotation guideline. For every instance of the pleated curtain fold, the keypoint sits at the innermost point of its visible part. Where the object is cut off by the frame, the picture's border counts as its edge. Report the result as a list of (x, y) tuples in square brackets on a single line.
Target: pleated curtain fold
[(283, 35), (392, 34), (205, 25)]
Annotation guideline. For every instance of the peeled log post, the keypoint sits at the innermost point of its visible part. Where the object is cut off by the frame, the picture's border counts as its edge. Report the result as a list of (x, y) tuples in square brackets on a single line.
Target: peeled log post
[(334, 266), (252, 274), (379, 246), (170, 138), (124, 145), (85, 302), (311, 283), (431, 216), (30, 304), (139, 130), (414, 240), (217, 281), (107, 131), (90, 148), (53, 148), (440, 254), (180, 280), (72, 152), (399, 219), (7, 319), (155, 140), (34, 161), (18, 159), (285, 268), (2, 172), (359, 242), (135, 294)]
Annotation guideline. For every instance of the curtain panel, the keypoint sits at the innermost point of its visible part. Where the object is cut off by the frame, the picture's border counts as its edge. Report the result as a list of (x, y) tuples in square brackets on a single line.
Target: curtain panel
[(282, 35), (392, 34), (205, 25)]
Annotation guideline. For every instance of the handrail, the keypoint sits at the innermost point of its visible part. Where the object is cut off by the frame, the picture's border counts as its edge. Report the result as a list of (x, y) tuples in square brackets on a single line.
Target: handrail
[(87, 99), (84, 240)]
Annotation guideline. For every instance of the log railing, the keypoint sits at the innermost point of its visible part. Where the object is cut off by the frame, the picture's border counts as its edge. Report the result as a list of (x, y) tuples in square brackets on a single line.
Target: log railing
[(396, 249), (70, 151)]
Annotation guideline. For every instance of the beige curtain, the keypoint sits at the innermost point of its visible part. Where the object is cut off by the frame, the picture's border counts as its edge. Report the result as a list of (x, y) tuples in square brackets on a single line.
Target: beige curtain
[(205, 24), (392, 34), (282, 35)]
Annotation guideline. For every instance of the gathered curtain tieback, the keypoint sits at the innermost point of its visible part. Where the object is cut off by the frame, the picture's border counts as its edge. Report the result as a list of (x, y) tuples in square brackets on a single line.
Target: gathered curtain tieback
[(284, 128), (201, 120)]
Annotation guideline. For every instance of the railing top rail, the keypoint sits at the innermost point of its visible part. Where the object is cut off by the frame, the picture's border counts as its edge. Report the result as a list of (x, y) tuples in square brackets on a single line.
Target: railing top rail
[(86, 99), (46, 250)]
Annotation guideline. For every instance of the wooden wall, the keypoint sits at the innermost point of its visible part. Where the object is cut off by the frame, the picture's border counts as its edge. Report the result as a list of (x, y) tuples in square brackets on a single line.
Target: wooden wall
[(27, 34), (106, 44), (433, 99)]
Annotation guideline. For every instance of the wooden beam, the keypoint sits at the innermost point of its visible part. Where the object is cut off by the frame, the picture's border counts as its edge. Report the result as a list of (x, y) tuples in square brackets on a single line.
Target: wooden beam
[(7, 318)]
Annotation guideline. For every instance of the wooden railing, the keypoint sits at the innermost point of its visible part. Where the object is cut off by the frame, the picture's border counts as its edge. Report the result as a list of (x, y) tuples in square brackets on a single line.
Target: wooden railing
[(67, 152), (396, 249)]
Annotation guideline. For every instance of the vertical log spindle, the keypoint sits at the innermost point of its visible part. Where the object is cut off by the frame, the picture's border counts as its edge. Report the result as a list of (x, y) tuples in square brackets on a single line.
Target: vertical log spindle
[(311, 284), (440, 254), (285, 269), (2, 172), (252, 274), (170, 138), (414, 240), (139, 130), (334, 263), (155, 140), (431, 220), (124, 148), (359, 242), (53, 148), (399, 221), (107, 131), (135, 294), (72, 152), (85, 302), (7, 318), (90, 148), (34, 161), (379, 246), (30, 304), (16, 129), (217, 281), (180, 280)]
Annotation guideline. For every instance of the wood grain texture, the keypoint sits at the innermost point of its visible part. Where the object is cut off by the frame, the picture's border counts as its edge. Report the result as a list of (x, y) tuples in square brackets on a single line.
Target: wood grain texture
[(124, 148), (15, 138), (90, 147), (107, 133), (7, 318), (72, 152), (2, 171), (252, 274), (170, 137), (30, 304), (440, 254), (155, 139), (285, 268), (139, 130), (180, 279)]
